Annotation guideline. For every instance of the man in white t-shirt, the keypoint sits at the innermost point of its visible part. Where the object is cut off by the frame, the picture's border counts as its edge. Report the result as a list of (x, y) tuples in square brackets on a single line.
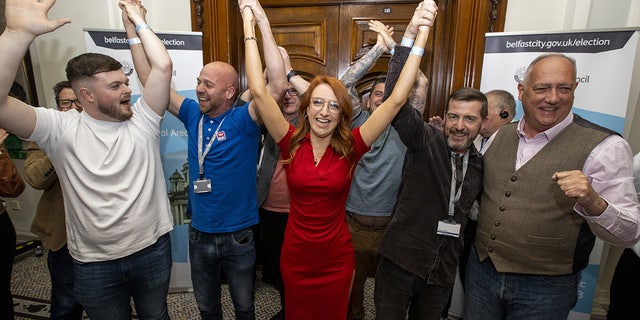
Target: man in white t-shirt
[(108, 162)]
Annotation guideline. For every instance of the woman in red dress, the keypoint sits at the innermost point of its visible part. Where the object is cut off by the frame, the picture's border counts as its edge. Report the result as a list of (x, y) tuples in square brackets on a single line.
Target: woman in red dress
[(317, 261)]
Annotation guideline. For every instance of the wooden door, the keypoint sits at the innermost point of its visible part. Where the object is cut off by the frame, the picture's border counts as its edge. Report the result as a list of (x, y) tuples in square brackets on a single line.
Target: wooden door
[(325, 37)]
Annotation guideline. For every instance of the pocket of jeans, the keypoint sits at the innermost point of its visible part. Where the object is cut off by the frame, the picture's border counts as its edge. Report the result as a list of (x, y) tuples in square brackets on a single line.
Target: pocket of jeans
[(243, 237)]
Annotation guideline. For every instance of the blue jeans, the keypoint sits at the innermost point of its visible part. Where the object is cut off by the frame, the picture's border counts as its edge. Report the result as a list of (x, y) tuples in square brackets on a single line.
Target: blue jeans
[(63, 302), (492, 295), (105, 288), (398, 290), (235, 254)]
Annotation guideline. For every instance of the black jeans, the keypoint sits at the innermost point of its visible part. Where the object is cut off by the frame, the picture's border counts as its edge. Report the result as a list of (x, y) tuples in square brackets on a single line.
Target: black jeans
[(7, 251), (625, 287), (272, 226)]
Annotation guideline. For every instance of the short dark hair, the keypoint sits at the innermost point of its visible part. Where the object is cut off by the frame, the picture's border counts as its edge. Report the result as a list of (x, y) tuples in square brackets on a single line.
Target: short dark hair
[(378, 80), (470, 94), (57, 88), (88, 64)]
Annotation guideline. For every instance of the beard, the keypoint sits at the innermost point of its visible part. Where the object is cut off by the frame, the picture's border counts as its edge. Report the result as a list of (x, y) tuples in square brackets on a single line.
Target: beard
[(458, 146), (115, 112)]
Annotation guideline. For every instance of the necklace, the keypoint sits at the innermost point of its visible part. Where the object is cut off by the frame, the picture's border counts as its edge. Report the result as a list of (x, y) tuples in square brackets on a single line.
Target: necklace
[(318, 148), (317, 156)]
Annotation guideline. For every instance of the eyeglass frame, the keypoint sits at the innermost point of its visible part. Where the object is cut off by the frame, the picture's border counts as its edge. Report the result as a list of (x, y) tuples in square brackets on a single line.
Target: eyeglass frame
[(292, 92), (65, 104), (333, 106)]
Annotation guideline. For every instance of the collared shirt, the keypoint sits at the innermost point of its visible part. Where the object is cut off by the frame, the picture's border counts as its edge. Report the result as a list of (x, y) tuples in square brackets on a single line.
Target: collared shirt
[(636, 175), (614, 183)]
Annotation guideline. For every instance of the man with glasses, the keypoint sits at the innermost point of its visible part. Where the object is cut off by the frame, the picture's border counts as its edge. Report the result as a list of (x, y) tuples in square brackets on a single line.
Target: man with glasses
[(49, 221), (65, 98)]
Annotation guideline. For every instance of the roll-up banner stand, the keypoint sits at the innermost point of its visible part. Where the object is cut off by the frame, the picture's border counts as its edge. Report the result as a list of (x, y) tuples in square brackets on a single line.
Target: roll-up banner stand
[(607, 94), (185, 49)]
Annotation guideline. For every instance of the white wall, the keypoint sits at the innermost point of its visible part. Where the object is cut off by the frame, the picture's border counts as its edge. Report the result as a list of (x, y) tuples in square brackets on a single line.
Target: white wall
[(51, 52)]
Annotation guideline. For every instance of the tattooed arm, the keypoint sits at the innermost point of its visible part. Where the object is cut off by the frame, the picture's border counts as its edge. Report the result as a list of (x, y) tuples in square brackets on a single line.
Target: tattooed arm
[(360, 67), (418, 95)]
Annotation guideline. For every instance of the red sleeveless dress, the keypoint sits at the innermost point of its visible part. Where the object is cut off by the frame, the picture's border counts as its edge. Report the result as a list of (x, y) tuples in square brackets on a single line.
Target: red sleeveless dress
[(317, 261)]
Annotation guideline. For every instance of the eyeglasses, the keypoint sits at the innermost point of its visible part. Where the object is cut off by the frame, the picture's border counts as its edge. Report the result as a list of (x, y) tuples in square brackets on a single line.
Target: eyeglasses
[(65, 104), (291, 91), (319, 103)]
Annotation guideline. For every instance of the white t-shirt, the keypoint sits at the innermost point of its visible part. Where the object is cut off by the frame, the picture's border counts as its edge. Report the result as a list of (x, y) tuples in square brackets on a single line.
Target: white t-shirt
[(111, 175)]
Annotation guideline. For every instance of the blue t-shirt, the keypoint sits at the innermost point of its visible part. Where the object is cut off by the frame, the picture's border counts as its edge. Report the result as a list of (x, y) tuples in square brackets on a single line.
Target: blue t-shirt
[(230, 164)]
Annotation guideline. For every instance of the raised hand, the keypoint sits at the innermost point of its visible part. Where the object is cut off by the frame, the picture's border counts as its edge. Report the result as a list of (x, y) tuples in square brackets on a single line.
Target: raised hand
[(134, 11), (247, 12), (423, 18), (384, 33), (30, 17), (437, 122), (431, 8), (258, 12)]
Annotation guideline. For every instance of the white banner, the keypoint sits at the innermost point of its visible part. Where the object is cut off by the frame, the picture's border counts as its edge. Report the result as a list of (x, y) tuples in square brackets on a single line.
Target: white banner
[(606, 94), (185, 49), (605, 61)]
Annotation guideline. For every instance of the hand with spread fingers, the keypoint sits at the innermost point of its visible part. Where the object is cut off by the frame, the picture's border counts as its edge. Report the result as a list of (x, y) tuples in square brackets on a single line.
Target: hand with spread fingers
[(30, 17), (385, 34)]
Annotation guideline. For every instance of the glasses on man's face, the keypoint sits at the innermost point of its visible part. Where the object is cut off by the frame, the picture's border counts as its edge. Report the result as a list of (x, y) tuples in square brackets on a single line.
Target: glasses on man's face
[(65, 104), (291, 91), (319, 103)]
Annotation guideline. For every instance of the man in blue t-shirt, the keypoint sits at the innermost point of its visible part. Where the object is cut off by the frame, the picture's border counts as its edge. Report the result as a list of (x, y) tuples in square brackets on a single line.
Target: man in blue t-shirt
[(222, 156)]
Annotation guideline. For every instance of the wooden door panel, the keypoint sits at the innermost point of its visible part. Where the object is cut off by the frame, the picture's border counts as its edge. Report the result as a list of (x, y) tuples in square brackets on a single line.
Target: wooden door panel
[(327, 36), (355, 18), (355, 33), (309, 35)]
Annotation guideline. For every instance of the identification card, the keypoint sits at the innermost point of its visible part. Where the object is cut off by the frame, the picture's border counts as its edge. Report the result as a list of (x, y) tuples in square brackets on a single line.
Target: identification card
[(202, 186), (450, 229)]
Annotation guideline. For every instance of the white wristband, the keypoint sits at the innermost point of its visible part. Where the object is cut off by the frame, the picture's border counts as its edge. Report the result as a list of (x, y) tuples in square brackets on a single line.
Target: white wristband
[(133, 41), (406, 42), (417, 51), (142, 26)]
